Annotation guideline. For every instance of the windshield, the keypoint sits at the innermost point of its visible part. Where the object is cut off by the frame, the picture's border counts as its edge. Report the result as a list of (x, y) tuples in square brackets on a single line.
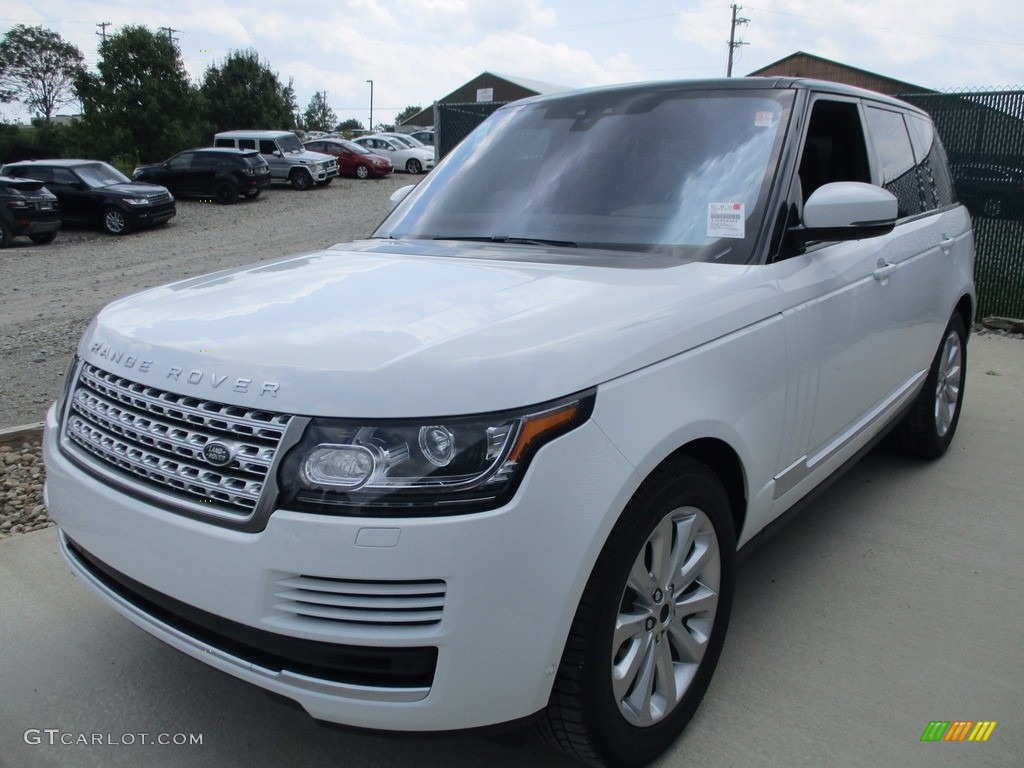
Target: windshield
[(290, 143), (664, 170), (408, 141), (96, 175)]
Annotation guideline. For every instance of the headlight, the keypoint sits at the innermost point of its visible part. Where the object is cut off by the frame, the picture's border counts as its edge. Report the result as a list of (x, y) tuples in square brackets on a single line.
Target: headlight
[(444, 466), (136, 200)]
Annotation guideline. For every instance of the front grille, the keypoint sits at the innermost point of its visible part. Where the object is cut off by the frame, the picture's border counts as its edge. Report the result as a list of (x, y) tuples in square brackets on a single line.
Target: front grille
[(367, 603), (157, 437)]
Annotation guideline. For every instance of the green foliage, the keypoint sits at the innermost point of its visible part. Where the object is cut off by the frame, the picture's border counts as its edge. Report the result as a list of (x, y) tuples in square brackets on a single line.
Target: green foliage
[(38, 67), (349, 126), (318, 116), (406, 113), (243, 92), (141, 100)]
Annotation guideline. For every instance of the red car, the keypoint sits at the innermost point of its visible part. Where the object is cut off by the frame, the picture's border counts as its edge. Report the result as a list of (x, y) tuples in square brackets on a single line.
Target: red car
[(353, 160)]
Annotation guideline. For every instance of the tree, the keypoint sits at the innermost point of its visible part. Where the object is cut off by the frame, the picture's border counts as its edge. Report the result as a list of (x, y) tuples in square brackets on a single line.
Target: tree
[(244, 92), (406, 113), (318, 116), (349, 126), (141, 99), (38, 67)]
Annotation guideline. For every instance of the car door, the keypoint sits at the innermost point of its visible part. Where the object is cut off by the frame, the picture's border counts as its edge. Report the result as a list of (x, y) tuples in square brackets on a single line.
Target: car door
[(279, 167), (73, 196), (179, 176), (850, 315)]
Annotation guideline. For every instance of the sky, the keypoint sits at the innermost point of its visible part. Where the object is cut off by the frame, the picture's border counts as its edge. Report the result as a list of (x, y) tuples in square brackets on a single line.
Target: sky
[(418, 51)]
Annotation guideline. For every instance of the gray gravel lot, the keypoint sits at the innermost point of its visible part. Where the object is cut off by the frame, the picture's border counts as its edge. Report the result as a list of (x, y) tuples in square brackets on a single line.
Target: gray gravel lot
[(49, 293)]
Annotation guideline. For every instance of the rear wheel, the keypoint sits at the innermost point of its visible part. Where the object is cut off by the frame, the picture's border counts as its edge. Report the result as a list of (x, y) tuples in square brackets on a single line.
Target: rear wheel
[(651, 623), (226, 194), (928, 427), (114, 221), (42, 238), (300, 179), (6, 235)]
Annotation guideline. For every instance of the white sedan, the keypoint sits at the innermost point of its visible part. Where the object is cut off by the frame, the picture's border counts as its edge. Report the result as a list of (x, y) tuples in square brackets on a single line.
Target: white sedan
[(403, 157)]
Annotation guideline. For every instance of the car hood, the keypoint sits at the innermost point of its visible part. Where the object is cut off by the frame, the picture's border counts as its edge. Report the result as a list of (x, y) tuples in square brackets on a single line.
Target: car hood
[(134, 189), (415, 328)]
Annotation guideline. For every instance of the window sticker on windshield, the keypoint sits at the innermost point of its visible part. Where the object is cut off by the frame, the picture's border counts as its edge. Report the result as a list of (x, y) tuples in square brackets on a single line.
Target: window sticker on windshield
[(764, 119), (726, 220)]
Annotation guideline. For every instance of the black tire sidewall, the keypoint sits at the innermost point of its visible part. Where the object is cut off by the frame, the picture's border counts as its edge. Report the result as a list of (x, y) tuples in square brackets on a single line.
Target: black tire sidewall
[(691, 485)]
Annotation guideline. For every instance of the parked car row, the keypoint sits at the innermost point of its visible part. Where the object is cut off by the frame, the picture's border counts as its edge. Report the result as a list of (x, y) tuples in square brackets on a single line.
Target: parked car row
[(38, 195)]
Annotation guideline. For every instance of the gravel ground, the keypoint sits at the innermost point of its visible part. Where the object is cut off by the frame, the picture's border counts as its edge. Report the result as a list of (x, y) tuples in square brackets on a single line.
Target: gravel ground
[(49, 293)]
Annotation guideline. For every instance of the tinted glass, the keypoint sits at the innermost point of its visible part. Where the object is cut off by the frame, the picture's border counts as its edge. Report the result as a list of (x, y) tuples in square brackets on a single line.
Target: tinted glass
[(677, 172), (896, 157)]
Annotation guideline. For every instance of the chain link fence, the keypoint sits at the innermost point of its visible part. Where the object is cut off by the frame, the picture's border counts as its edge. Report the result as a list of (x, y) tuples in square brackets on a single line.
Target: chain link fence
[(984, 136)]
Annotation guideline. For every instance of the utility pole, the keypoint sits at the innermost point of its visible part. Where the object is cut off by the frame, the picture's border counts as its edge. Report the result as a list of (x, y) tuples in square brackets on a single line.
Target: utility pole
[(169, 31), (733, 45), (371, 105), (103, 29)]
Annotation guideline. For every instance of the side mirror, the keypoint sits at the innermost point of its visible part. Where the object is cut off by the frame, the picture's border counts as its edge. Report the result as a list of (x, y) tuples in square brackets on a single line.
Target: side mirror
[(847, 210), (399, 195)]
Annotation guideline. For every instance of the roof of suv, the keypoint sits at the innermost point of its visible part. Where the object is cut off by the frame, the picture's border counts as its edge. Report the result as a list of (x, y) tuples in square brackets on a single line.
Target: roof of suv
[(253, 134), (55, 162)]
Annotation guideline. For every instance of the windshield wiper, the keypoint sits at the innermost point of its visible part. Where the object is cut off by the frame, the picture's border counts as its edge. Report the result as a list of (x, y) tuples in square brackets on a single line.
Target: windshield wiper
[(513, 240)]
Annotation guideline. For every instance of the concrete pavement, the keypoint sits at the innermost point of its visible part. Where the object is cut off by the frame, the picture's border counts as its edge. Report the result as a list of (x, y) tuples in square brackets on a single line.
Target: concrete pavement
[(892, 601)]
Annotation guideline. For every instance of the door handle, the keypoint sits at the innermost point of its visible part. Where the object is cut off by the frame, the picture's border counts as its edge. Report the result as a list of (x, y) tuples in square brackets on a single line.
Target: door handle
[(946, 243), (884, 271)]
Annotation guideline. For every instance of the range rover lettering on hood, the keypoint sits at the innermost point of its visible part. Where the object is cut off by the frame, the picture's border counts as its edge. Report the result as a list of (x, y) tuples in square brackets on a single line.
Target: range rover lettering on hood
[(194, 376)]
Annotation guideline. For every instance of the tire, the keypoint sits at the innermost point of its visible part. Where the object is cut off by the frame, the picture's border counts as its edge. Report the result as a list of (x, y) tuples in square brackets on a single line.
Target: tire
[(414, 166), (301, 180), (42, 238), (644, 645), (114, 221), (226, 194), (362, 171), (326, 182), (928, 427), (6, 235)]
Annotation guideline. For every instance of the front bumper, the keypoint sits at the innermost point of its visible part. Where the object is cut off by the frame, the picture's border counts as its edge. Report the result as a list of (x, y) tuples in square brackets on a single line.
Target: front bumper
[(509, 580), (147, 216)]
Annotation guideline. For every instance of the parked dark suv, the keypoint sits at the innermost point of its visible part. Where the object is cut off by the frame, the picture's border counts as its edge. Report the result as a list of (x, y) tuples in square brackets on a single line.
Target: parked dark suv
[(27, 208), (211, 173), (91, 191)]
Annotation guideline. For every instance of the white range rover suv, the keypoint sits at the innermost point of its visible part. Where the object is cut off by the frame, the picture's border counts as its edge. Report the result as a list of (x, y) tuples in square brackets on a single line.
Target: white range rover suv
[(494, 463)]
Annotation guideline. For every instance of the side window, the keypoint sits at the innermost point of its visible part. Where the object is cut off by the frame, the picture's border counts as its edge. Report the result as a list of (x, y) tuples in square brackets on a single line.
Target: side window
[(247, 143), (936, 178), (896, 159), (62, 176), (224, 143), (44, 175), (181, 162), (315, 146), (834, 149), (267, 147)]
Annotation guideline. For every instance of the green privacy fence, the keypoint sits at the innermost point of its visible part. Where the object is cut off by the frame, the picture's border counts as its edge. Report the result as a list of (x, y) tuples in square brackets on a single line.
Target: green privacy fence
[(984, 136), (453, 122)]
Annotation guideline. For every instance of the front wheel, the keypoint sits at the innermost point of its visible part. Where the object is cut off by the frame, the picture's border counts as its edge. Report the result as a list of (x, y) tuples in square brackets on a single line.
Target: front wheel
[(414, 166), (301, 180), (42, 238), (6, 235), (114, 221), (928, 427), (362, 172), (651, 623)]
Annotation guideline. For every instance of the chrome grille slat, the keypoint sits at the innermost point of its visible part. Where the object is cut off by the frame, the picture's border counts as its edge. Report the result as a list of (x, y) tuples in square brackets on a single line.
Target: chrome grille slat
[(380, 603), (158, 436)]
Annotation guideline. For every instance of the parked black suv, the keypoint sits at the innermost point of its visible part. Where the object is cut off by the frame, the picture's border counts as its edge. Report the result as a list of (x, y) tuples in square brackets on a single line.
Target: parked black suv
[(26, 208), (91, 191), (211, 173)]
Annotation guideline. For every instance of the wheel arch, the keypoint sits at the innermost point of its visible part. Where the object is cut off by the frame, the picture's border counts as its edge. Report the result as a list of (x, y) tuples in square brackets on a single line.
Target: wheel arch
[(965, 307), (720, 457)]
